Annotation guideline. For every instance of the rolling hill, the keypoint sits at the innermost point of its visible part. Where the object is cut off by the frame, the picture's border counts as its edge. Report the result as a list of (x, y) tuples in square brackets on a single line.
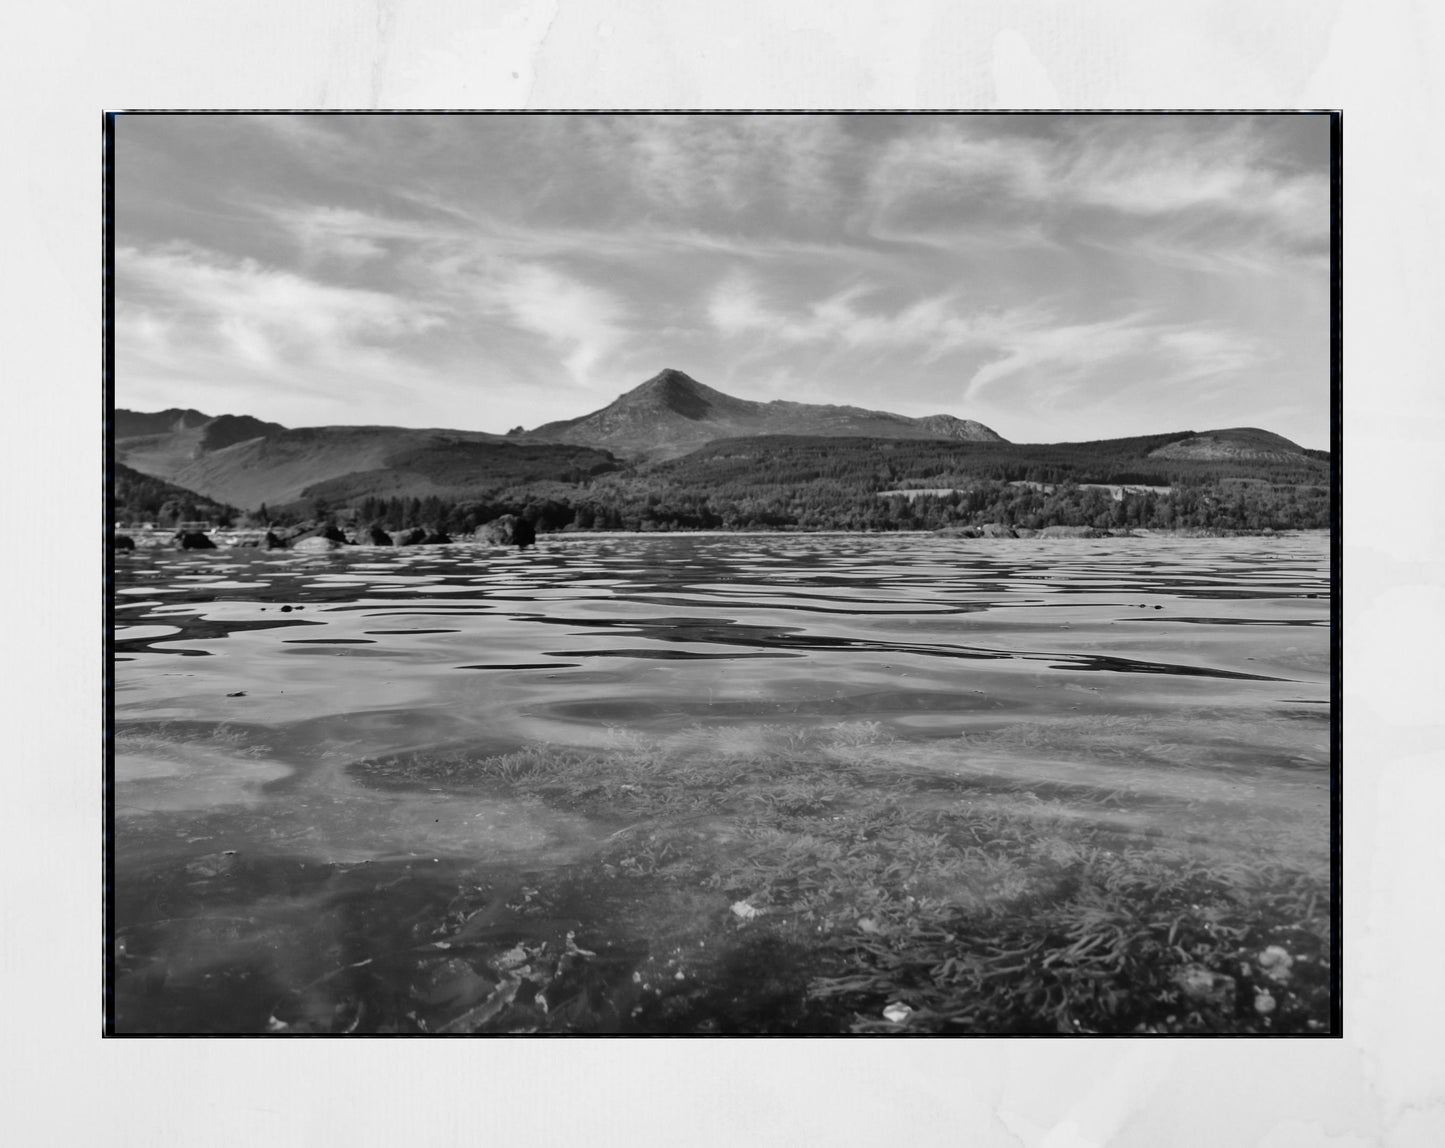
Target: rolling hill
[(246, 462), (1237, 444), (137, 497), (874, 464), (671, 434)]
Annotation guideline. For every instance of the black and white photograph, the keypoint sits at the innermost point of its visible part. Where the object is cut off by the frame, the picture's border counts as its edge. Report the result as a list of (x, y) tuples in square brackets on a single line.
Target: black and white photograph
[(721, 574)]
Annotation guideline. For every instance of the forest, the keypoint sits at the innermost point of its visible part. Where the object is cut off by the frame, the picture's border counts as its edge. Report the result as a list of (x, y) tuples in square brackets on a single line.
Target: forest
[(137, 497), (813, 483)]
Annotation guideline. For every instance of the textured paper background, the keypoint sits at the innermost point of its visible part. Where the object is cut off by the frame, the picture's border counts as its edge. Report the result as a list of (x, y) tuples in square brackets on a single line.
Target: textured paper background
[(1380, 61)]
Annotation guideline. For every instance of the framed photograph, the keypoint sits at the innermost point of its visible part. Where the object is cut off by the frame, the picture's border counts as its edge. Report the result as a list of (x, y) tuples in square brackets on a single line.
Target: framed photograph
[(723, 574)]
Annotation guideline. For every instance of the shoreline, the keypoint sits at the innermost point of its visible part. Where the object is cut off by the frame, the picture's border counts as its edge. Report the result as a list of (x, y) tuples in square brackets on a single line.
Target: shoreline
[(240, 539)]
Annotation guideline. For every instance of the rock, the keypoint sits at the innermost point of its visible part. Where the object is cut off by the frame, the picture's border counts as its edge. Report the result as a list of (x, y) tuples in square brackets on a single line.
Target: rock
[(1276, 963), (997, 530), (414, 537), (379, 537), (122, 542), (437, 536), (194, 540), (959, 532), (327, 534), (508, 530), (1206, 986), (315, 544), (273, 542)]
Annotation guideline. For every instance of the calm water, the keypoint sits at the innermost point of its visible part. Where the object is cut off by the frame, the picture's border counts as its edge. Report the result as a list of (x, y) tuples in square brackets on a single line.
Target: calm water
[(257, 852)]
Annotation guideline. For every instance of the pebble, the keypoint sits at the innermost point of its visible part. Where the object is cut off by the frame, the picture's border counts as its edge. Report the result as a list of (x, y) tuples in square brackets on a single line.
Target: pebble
[(1276, 962)]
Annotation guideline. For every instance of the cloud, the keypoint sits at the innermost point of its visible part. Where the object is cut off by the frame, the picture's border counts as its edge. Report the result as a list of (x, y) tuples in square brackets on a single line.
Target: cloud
[(1030, 345), (1170, 168), (188, 313), (727, 162), (316, 139), (290, 313), (1094, 362), (337, 234), (927, 328), (584, 325), (1065, 352), (966, 257), (953, 159), (1197, 181)]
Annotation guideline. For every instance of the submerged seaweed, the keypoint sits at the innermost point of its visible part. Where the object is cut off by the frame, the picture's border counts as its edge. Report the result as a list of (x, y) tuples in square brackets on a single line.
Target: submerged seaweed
[(860, 836)]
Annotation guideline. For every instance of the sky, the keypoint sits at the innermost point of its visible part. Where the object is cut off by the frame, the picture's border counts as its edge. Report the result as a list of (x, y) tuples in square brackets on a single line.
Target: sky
[(1056, 277)]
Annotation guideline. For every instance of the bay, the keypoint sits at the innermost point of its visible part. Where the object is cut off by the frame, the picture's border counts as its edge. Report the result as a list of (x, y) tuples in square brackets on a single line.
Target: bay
[(723, 783)]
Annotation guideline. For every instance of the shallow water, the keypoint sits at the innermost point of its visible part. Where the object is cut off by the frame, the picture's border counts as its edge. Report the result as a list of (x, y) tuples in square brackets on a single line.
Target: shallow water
[(1164, 688)]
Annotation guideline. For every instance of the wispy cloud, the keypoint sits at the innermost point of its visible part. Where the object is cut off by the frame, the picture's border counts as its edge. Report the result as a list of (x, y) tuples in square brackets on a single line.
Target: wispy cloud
[(1198, 180), (1168, 168), (292, 314), (971, 261), (340, 234), (725, 163), (1030, 345), (184, 310), (584, 325), (926, 328)]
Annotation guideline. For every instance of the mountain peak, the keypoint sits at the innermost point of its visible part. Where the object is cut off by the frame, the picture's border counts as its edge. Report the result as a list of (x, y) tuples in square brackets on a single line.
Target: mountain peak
[(668, 377), (671, 391), (672, 413)]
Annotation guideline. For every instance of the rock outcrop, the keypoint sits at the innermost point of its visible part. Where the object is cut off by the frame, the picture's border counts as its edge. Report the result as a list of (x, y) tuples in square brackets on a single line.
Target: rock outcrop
[(1073, 532), (327, 533), (508, 530), (987, 530), (194, 540), (316, 544)]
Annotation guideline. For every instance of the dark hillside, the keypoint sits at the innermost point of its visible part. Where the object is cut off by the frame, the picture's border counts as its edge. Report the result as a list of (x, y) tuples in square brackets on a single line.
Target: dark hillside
[(138, 497), (127, 424), (227, 430), (882, 464), (462, 470)]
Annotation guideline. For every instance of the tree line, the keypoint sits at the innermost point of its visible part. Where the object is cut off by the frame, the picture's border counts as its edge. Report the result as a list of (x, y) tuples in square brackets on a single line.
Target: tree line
[(810, 483), (1242, 505), (137, 497)]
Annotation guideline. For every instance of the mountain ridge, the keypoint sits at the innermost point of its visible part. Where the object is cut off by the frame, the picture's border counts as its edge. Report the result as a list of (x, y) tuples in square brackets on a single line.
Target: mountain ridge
[(245, 461), (672, 413)]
